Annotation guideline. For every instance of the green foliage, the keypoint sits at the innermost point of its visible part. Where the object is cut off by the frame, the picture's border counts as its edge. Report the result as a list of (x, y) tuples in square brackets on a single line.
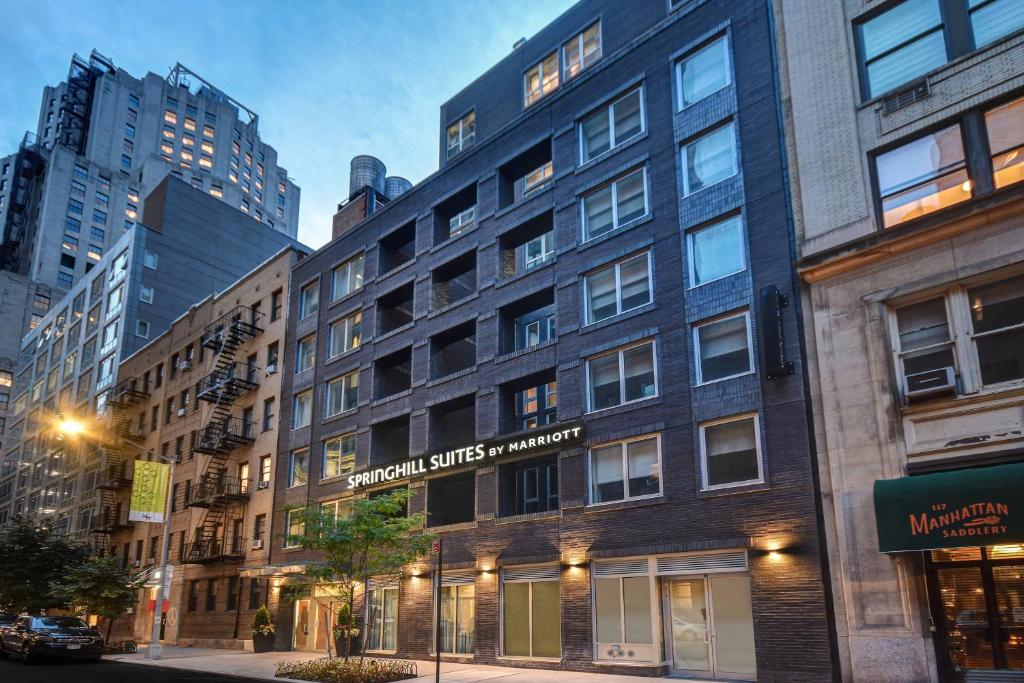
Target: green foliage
[(99, 586), (332, 670), (32, 559), (261, 623)]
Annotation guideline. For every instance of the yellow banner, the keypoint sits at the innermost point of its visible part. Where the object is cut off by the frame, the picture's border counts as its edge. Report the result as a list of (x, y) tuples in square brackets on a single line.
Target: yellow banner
[(149, 491)]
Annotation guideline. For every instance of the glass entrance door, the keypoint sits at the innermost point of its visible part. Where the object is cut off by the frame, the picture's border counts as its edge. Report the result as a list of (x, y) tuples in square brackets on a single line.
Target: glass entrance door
[(711, 629), (303, 625)]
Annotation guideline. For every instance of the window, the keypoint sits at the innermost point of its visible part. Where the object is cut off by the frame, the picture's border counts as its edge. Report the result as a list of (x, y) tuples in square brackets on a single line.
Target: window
[(193, 592), (305, 353), (612, 126), (272, 350), (265, 465), (461, 221), (77, 189), (342, 394), (142, 329), (922, 176), (146, 294), (541, 80), (997, 322), (715, 251), (702, 73), (901, 44), (730, 452), (70, 243), (268, 414), (457, 618), (347, 278), (382, 619), (294, 526), (345, 334), (275, 305), (258, 525), (615, 205), (538, 250), (531, 613), (302, 410), (618, 288), (97, 234), (114, 300), (255, 593), (149, 260), (309, 300), (623, 607), (581, 51), (126, 162), (625, 470), (461, 134), (1005, 126), (72, 225), (993, 19), (339, 457), (75, 206), (709, 159), (724, 348), (129, 130), (298, 467), (622, 376)]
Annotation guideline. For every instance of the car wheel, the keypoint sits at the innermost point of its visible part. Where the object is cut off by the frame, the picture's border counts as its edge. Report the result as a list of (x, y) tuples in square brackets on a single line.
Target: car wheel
[(25, 656)]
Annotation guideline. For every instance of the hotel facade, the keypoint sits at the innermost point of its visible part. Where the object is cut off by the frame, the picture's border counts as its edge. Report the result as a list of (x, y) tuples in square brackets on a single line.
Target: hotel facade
[(578, 345)]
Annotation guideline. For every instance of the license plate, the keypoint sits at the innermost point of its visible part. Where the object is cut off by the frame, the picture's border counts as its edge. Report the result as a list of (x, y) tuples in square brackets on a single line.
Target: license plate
[(74, 647)]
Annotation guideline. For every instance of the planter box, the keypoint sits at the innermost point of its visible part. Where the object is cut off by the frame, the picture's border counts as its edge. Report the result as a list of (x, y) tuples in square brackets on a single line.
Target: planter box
[(262, 643)]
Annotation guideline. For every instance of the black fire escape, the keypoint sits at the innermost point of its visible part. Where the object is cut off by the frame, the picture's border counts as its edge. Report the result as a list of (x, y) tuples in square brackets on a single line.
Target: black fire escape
[(116, 474), (223, 496)]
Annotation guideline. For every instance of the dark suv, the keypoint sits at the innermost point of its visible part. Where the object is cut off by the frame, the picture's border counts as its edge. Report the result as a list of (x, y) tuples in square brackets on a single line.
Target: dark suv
[(52, 636)]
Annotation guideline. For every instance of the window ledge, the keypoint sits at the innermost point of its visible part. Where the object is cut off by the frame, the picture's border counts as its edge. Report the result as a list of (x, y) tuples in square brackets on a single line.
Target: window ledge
[(528, 517), (453, 375), (342, 299), (513, 658), (338, 416), (625, 504), (1006, 390), (600, 239), (395, 332), (753, 487), (460, 526), (505, 357), (590, 163), (504, 281), (392, 397), (344, 354), (452, 306), (632, 405), (525, 200), (632, 313), (381, 277), (452, 240)]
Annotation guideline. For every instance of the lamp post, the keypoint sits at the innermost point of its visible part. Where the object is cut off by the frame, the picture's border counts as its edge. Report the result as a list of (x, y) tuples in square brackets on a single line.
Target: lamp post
[(72, 427)]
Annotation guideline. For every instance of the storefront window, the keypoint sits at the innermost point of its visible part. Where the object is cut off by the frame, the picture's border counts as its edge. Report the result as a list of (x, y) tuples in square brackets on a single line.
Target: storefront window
[(531, 612), (623, 608), (457, 618), (382, 619)]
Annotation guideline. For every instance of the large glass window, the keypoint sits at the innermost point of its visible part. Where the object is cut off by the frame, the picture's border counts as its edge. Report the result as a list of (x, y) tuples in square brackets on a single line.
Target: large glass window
[(703, 72), (347, 278), (615, 205), (611, 126), (731, 452), (723, 348), (305, 352), (581, 51), (622, 376), (924, 338), (298, 467), (531, 614), (382, 620), (1005, 127), (541, 79), (345, 334), (622, 606), (901, 44), (342, 394), (997, 318), (716, 251), (923, 176), (709, 159), (993, 19), (294, 526), (339, 456), (625, 470), (618, 288), (457, 618), (302, 410)]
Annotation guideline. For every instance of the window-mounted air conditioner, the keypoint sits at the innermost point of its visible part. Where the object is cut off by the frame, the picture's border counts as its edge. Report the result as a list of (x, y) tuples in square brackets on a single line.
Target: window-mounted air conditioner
[(182, 412), (271, 368), (257, 544), (263, 485), (930, 382), (184, 365)]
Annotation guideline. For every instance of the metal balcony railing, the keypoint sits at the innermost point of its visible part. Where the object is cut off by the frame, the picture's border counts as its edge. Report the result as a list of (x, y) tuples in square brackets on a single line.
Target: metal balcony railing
[(110, 520), (129, 391), (220, 437), (212, 488), (230, 382), (232, 328), (216, 550)]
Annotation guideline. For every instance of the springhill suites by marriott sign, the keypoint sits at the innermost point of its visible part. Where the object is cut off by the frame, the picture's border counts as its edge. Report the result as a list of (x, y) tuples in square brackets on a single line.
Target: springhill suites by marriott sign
[(556, 435)]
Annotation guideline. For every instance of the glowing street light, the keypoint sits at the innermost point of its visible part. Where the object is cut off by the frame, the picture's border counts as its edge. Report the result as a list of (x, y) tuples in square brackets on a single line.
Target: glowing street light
[(69, 426)]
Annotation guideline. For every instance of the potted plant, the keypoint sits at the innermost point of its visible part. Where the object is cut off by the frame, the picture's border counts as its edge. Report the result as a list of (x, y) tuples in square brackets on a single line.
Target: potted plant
[(262, 631), (346, 633)]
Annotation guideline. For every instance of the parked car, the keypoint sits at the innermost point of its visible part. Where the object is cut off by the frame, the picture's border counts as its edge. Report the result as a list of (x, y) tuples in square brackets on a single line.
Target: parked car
[(51, 636)]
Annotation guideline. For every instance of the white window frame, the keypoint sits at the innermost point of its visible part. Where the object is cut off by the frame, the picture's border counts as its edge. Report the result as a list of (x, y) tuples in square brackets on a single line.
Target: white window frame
[(309, 286), (704, 452), (547, 245), (146, 294), (298, 353), (537, 178), (346, 323), (458, 223), (692, 267), (617, 265), (291, 468), (614, 184), (731, 125), (578, 39), (343, 380), (464, 140), (745, 314), (349, 276), (623, 447), (539, 66), (609, 111), (678, 69), (622, 374), (150, 260), (295, 402)]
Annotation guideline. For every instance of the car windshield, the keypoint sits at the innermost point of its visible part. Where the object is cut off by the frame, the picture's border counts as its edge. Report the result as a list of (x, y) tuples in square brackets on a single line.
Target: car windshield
[(52, 623)]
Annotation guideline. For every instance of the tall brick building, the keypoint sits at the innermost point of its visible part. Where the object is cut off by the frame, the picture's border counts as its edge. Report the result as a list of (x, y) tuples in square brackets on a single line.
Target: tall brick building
[(605, 255)]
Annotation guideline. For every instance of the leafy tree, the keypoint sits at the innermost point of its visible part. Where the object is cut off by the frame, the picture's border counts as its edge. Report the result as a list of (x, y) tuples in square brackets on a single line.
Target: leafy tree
[(261, 623), (31, 559), (100, 586), (376, 541)]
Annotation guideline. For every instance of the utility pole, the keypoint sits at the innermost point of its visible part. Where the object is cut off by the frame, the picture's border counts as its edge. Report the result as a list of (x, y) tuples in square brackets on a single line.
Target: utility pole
[(436, 547)]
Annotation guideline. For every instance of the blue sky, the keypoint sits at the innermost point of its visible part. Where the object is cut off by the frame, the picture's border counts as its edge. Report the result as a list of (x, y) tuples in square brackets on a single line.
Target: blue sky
[(329, 80)]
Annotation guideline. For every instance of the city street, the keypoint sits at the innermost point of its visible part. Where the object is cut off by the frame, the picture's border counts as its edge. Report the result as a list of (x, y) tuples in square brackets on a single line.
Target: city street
[(105, 671)]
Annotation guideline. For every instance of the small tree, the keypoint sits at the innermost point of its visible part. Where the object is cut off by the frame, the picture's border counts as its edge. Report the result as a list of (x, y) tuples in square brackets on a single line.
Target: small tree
[(100, 586), (376, 541), (32, 558), (261, 623)]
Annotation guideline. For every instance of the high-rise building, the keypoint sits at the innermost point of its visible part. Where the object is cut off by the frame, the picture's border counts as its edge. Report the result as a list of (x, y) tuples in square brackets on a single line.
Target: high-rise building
[(905, 122), (578, 345), (68, 362)]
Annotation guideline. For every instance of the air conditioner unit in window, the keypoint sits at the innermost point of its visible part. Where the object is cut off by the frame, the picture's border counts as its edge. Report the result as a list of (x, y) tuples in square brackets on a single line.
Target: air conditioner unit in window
[(136, 563), (271, 368), (184, 365), (257, 544), (263, 485), (182, 412), (931, 382)]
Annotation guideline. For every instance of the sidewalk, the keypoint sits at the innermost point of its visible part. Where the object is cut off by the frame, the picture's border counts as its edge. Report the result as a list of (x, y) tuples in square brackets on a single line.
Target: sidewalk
[(241, 663)]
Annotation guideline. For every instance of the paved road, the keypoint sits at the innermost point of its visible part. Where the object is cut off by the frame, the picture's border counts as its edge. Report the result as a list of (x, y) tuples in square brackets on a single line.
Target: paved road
[(103, 672)]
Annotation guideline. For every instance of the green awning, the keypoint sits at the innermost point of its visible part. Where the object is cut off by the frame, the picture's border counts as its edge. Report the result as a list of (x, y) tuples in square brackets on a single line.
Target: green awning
[(981, 506)]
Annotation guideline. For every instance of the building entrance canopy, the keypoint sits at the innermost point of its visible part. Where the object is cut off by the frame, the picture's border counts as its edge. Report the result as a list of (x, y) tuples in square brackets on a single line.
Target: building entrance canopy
[(982, 506)]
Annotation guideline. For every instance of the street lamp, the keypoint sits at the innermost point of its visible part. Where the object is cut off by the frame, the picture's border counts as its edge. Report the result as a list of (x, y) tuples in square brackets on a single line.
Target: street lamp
[(69, 426)]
